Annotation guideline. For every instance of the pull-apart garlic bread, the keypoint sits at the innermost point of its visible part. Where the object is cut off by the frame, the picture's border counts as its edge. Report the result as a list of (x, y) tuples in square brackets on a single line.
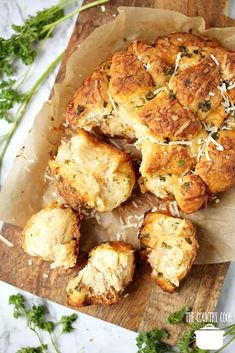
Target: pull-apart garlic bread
[(176, 98), (53, 235), (171, 247), (91, 173), (110, 268)]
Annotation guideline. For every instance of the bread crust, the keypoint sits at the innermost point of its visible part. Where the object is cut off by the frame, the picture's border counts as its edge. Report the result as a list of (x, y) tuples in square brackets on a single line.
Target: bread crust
[(92, 174), (103, 282), (53, 235), (171, 245), (218, 173)]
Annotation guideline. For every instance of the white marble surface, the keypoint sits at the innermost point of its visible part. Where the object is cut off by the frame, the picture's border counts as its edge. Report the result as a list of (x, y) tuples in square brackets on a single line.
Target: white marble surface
[(91, 335)]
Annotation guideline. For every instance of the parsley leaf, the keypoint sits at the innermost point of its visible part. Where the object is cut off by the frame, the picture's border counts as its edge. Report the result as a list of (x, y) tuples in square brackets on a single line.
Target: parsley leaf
[(151, 342), (181, 163), (32, 349), (19, 305), (66, 322), (21, 44), (204, 106), (179, 316), (9, 96), (36, 316), (186, 343)]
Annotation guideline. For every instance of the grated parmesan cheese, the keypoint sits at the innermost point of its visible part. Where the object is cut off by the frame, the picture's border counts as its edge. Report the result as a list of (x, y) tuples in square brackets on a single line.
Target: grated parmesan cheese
[(121, 220), (114, 143), (5, 241), (134, 204), (154, 209), (172, 143), (48, 177), (147, 66), (177, 61), (173, 207), (231, 86), (130, 225), (214, 59), (112, 101)]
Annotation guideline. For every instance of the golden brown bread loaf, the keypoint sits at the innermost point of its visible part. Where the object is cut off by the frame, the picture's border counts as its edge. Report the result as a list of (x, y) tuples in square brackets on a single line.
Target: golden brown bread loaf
[(110, 268), (53, 235), (171, 247), (176, 98)]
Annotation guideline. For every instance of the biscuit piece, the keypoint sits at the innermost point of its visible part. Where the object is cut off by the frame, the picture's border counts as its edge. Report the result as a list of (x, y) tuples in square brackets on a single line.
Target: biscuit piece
[(160, 159), (167, 118), (110, 268), (217, 169), (170, 45), (53, 235), (92, 106), (194, 85), (92, 174), (162, 186), (129, 81), (148, 56), (171, 246), (190, 193)]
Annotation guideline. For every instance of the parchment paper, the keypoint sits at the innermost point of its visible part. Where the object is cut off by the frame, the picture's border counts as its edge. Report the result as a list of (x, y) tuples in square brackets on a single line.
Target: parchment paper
[(27, 189)]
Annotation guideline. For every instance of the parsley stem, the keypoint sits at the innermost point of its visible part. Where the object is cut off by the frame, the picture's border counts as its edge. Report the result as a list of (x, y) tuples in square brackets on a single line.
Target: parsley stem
[(39, 338), (225, 345), (24, 105), (54, 343), (82, 8), (34, 330)]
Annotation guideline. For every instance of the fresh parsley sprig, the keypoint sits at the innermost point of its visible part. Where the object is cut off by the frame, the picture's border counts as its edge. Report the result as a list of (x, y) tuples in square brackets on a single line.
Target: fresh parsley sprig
[(179, 316), (151, 342), (67, 323), (24, 46), (21, 45), (36, 320)]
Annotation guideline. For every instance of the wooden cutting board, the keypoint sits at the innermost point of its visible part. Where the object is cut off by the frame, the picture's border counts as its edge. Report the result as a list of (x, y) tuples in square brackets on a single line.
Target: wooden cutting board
[(146, 306)]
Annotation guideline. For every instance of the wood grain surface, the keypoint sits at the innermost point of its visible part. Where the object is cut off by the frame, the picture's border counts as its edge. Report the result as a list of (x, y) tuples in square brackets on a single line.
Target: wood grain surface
[(146, 306)]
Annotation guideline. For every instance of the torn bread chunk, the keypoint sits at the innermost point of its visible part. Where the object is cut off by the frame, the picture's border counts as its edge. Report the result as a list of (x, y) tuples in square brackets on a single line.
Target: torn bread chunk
[(191, 193), (147, 54), (171, 247), (217, 167), (53, 235), (167, 119), (110, 268), (93, 108), (92, 174), (168, 46)]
